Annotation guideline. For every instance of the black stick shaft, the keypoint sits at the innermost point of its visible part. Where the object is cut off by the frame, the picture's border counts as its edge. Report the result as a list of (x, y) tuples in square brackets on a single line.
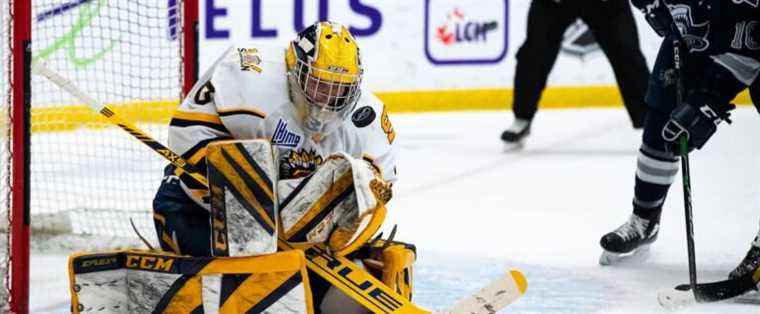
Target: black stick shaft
[(685, 174), (686, 179)]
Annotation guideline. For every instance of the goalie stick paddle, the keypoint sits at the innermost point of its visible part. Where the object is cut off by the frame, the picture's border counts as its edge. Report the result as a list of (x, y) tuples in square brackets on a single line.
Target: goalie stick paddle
[(379, 298), (339, 271), (494, 296)]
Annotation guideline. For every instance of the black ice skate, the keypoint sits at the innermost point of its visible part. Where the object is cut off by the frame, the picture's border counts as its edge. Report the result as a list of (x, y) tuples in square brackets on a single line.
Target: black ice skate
[(513, 137), (632, 238), (750, 263)]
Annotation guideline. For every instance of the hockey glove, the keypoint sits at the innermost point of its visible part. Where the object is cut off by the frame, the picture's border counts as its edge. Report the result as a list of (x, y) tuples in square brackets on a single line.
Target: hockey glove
[(697, 119), (657, 15)]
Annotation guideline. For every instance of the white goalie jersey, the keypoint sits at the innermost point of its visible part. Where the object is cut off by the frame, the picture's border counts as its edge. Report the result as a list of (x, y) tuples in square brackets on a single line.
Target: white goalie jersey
[(244, 95)]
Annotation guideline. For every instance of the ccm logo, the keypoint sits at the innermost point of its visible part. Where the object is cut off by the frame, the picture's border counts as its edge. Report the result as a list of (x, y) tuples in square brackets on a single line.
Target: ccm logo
[(149, 262)]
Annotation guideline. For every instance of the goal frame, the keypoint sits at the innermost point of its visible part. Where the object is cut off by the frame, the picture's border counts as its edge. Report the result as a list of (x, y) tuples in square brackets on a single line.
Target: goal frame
[(20, 92)]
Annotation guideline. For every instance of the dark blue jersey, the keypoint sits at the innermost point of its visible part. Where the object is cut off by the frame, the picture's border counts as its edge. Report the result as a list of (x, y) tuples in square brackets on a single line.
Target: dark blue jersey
[(713, 27)]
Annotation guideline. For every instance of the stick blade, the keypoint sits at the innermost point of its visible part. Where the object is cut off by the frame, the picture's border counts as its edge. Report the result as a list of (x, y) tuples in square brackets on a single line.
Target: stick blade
[(682, 295), (495, 296)]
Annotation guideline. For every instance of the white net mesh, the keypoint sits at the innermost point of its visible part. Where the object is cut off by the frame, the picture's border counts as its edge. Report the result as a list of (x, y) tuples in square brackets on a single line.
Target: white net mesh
[(88, 177)]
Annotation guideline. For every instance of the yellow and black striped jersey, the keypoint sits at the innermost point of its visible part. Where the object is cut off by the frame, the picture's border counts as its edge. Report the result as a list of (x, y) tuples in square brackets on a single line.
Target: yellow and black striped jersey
[(244, 95)]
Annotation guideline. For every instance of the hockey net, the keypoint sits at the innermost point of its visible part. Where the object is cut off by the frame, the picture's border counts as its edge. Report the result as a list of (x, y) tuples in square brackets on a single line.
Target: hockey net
[(87, 178), (5, 152)]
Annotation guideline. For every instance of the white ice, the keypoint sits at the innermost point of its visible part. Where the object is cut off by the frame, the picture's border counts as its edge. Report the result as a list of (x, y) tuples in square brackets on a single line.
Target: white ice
[(474, 211)]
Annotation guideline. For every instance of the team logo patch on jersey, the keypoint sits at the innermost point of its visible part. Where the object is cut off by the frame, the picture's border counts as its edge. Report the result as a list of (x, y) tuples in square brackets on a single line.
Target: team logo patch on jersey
[(363, 116), (753, 3), (249, 59), (694, 29), (300, 163), (284, 137)]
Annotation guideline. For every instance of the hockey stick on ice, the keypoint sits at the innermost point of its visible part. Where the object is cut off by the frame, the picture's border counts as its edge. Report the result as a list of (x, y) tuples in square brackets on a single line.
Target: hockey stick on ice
[(694, 292), (682, 295), (339, 271), (683, 142), (377, 297)]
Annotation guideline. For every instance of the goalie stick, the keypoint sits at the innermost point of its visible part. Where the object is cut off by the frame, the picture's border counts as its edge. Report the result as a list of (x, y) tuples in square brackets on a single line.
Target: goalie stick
[(682, 295), (339, 271)]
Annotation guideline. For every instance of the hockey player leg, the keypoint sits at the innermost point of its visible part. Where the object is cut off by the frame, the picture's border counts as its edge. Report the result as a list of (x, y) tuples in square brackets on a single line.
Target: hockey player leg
[(655, 172), (547, 22), (514, 136)]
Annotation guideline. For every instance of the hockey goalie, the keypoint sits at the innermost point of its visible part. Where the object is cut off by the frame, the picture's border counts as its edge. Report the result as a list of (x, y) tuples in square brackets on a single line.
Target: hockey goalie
[(297, 156)]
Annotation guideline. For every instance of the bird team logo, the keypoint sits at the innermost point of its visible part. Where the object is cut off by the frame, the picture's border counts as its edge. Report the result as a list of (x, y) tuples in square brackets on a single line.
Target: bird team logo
[(299, 163), (694, 30), (283, 137)]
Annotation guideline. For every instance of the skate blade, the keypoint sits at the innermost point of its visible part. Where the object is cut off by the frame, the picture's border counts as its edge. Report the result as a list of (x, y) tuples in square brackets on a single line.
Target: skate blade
[(513, 146), (611, 258)]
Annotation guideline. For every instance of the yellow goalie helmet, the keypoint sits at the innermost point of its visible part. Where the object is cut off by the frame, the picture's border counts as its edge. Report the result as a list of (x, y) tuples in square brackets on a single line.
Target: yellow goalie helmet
[(324, 73)]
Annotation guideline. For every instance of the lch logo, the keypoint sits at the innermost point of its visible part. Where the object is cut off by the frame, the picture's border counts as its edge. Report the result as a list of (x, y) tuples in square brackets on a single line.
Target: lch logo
[(456, 29), (466, 31)]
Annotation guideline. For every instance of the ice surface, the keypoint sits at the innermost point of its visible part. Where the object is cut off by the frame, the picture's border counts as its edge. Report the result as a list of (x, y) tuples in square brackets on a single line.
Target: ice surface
[(474, 211)]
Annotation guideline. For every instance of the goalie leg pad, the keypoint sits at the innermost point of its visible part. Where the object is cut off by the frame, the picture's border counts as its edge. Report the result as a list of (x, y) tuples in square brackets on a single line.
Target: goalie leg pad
[(242, 180), (134, 281)]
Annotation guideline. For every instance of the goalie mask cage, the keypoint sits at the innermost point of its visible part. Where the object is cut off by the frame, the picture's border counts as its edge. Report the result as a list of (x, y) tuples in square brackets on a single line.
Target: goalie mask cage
[(64, 170)]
